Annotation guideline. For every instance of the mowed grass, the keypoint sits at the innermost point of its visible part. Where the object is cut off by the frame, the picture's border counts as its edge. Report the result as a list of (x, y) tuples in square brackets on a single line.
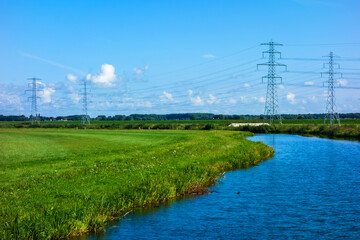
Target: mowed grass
[(58, 183)]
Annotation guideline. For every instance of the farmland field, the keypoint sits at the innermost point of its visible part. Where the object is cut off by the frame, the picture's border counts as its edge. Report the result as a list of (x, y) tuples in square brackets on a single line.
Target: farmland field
[(173, 123), (349, 129), (63, 182)]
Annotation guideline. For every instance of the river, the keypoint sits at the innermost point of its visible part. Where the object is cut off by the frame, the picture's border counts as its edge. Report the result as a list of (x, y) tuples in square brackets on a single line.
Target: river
[(309, 190)]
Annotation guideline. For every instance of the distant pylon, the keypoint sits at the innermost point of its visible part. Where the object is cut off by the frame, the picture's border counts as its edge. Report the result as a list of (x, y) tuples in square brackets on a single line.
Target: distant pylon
[(331, 113), (85, 119), (272, 103), (35, 116)]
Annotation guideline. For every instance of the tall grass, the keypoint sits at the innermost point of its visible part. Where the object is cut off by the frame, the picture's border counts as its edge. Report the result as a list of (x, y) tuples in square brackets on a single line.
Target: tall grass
[(57, 183), (341, 132)]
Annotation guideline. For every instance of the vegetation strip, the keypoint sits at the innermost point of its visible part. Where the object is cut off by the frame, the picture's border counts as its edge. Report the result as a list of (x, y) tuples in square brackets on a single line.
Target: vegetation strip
[(350, 128), (58, 183)]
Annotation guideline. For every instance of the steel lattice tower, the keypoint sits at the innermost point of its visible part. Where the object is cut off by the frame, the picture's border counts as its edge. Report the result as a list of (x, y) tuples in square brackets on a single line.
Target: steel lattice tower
[(330, 102), (35, 116), (85, 119), (272, 103)]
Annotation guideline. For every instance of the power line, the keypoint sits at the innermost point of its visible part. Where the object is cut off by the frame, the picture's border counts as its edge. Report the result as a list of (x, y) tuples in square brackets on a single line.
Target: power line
[(85, 119), (35, 116), (320, 44), (272, 103), (330, 103)]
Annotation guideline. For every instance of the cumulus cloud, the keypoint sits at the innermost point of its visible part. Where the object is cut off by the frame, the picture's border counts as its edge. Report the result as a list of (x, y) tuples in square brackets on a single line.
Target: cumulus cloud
[(313, 99), (196, 100), (291, 98), (261, 99), (212, 99), (145, 104), (46, 96), (72, 78), (74, 95), (209, 56), (246, 85), (106, 77), (243, 99), (166, 97), (9, 99), (258, 99), (342, 82), (138, 70), (139, 73), (281, 86), (308, 83), (232, 101)]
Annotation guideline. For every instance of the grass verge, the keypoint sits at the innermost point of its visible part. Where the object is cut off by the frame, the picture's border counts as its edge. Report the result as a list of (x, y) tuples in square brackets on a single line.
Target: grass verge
[(58, 183)]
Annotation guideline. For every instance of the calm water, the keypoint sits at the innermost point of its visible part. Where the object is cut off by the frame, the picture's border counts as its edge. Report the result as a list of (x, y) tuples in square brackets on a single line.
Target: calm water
[(309, 190)]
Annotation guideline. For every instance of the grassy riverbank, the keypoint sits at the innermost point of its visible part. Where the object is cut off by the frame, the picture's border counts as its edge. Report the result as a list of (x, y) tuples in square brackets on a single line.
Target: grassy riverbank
[(351, 132), (58, 183)]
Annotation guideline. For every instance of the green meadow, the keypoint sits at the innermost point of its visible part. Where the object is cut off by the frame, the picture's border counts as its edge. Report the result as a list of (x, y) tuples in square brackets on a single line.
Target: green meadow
[(58, 183), (349, 129)]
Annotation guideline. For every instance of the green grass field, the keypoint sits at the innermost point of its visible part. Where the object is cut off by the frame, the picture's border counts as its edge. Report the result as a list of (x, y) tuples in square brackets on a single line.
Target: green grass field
[(57, 183), (349, 129), (168, 124)]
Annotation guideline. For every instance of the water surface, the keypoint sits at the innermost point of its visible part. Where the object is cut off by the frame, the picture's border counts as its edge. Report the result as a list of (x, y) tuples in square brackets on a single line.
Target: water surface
[(309, 190)]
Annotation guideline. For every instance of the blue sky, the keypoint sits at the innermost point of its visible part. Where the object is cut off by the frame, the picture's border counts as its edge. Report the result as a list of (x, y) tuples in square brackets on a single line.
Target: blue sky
[(175, 56)]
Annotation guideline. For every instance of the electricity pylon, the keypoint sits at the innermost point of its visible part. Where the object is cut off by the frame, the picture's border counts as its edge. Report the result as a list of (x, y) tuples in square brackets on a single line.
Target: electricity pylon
[(35, 116), (272, 103), (85, 119), (331, 113)]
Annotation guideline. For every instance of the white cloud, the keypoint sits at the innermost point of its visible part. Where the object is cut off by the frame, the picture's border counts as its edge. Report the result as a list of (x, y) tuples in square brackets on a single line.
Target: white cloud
[(308, 83), (281, 86), (9, 99), (166, 97), (342, 82), (212, 99), (232, 101), (138, 70), (146, 104), (304, 101), (197, 101), (313, 99), (72, 78), (261, 99), (138, 73), (246, 85), (74, 95), (46, 96), (243, 99), (291, 98), (209, 56), (11, 102), (106, 77)]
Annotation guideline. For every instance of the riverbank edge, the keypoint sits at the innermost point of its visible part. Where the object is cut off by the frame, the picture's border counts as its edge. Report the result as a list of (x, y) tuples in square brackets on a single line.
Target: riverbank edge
[(253, 156), (322, 131), (195, 189)]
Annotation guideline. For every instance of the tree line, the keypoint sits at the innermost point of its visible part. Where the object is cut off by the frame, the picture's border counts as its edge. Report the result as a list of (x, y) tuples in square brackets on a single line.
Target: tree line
[(175, 116)]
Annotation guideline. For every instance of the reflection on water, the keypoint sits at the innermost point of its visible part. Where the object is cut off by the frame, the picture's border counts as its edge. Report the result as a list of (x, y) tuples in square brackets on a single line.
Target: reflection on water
[(309, 190)]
